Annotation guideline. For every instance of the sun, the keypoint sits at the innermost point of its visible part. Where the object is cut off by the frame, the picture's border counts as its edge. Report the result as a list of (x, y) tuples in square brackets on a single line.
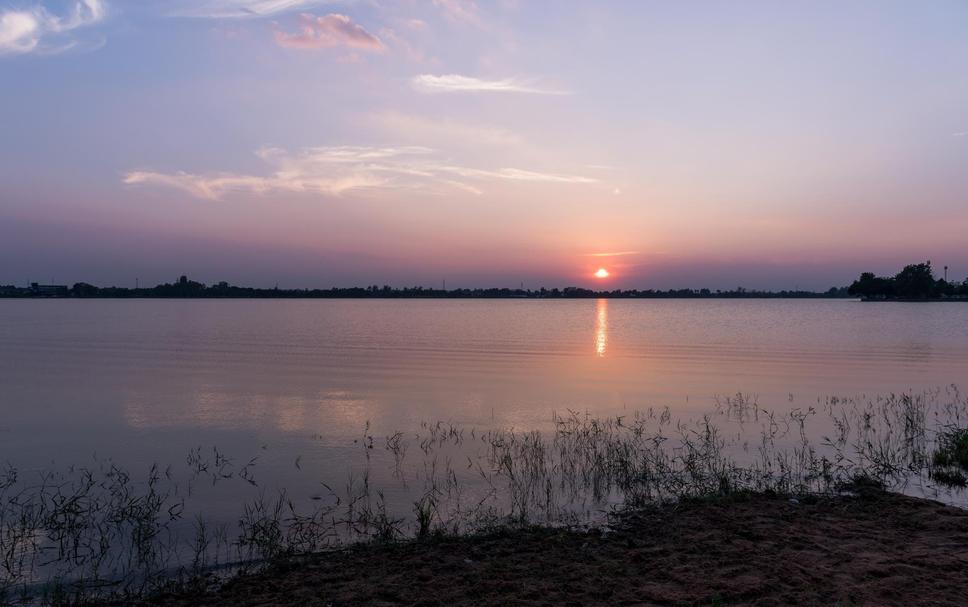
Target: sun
[(601, 273)]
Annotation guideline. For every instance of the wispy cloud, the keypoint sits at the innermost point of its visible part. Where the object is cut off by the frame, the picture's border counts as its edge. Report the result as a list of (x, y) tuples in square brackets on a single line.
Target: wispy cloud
[(514, 175), (960, 134), (615, 254), (403, 46), (38, 30), (329, 31), (214, 187), (337, 170), (240, 9), (461, 11), (456, 83), (443, 130)]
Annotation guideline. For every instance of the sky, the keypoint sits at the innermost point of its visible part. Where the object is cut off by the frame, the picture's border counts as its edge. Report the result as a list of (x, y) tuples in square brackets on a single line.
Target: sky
[(314, 143)]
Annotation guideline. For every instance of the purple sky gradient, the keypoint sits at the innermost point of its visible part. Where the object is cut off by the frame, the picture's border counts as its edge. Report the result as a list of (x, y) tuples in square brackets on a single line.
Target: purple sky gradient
[(315, 143)]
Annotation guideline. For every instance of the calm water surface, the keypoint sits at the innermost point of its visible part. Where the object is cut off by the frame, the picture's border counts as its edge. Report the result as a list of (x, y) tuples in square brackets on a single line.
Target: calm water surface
[(146, 380)]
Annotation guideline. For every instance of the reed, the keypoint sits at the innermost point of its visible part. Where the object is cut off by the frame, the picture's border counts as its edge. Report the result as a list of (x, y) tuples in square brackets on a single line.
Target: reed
[(96, 533)]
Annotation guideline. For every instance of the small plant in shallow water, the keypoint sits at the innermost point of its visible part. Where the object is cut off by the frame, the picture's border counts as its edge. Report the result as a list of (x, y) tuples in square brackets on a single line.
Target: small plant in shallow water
[(952, 449), (950, 460)]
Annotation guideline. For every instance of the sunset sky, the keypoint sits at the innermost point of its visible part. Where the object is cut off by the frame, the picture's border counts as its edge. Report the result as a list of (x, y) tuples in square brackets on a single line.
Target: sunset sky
[(313, 143)]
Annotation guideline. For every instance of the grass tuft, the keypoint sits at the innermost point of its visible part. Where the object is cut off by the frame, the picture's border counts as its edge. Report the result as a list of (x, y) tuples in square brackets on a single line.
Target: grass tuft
[(950, 459)]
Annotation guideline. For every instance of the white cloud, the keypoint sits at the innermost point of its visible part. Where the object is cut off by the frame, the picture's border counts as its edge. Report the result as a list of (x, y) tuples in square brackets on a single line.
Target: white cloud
[(241, 9), (214, 187), (522, 175), (513, 175), (19, 32), (960, 134), (341, 169), (456, 83), (347, 154), (38, 30)]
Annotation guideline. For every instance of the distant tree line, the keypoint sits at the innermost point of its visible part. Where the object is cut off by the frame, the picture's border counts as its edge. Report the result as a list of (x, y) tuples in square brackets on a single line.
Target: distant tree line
[(185, 288), (914, 282)]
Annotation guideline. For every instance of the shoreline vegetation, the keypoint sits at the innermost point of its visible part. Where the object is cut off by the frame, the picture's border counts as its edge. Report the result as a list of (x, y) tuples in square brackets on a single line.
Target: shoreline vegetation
[(916, 282), (103, 533), (186, 288)]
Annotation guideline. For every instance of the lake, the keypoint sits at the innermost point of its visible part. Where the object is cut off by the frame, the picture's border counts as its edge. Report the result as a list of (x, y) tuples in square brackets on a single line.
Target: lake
[(294, 383), (369, 414), (139, 379), (117, 376)]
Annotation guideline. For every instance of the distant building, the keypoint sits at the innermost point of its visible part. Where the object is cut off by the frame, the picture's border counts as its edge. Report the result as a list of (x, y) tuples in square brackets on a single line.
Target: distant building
[(37, 290)]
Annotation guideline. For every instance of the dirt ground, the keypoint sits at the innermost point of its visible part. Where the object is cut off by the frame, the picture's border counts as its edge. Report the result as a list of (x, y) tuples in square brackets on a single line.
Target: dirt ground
[(874, 549)]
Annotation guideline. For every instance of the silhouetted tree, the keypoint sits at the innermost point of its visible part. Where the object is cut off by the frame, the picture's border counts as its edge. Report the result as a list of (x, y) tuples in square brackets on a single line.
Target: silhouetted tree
[(83, 289), (915, 281), (869, 285)]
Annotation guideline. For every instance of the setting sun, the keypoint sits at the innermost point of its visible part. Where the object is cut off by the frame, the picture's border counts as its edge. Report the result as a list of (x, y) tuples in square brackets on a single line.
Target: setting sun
[(601, 273)]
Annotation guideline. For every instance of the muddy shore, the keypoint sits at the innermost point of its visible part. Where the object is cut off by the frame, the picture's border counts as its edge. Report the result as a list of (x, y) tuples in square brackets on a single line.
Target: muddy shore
[(873, 548)]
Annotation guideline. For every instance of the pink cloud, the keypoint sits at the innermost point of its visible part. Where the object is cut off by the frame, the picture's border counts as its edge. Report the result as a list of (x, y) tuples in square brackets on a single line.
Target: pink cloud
[(327, 32)]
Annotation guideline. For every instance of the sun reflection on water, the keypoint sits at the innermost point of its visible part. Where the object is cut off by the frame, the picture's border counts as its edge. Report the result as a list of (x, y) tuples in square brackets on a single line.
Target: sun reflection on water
[(601, 327)]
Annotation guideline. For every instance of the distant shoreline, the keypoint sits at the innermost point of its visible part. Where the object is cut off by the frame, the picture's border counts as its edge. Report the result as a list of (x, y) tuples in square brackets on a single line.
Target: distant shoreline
[(189, 289), (819, 296), (915, 300)]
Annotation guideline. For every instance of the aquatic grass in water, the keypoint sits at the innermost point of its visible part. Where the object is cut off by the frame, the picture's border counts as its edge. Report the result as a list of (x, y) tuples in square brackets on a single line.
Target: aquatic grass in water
[(96, 533), (953, 449), (950, 459)]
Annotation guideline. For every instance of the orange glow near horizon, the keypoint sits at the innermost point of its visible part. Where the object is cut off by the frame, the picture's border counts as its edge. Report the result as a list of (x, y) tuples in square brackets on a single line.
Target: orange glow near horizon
[(601, 273)]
